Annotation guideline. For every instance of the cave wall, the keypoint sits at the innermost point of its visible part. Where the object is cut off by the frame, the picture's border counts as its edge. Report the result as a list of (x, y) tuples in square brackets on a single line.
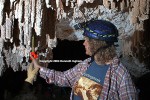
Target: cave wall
[(48, 20)]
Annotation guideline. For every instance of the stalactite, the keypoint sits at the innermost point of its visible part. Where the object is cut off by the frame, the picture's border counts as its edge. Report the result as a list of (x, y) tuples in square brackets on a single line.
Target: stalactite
[(11, 3), (122, 5), (144, 9), (3, 31), (135, 12), (1, 11), (67, 1), (80, 2), (72, 4), (60, 9), (20, 11), (2, 65), (48, 3), (113, 5), (105, 3), (57, 3), (51, 42), (21, 34), (27, 23), (8, 56), (27, 17), (1, 46), (16, 10), (9, 25), (33, 11), (38, 21)]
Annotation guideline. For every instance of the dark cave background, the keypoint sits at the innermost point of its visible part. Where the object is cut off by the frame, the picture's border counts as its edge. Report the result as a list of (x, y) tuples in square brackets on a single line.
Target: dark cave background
[(11, 82)]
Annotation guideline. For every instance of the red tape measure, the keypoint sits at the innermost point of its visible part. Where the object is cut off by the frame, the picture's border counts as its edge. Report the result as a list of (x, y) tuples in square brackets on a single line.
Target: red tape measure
[(34, 54)]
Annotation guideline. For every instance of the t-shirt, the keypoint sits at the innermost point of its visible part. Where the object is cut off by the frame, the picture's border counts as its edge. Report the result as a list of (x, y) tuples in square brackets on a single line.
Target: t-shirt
[(89, 86)]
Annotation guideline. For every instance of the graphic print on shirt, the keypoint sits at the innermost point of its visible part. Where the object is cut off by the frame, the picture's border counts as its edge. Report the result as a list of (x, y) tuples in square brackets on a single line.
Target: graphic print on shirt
[(87, 89), (90, 85)]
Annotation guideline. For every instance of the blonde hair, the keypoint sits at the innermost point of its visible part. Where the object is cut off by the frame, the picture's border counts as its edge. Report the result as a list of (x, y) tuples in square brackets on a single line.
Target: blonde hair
[(104, 55)]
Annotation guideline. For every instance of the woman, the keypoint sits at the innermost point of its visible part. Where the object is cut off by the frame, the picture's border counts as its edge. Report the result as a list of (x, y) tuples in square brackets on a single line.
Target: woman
[(100, 77)]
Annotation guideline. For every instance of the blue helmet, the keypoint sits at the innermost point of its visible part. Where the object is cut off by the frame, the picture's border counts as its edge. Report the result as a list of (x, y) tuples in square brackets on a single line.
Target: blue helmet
[(102, 30)]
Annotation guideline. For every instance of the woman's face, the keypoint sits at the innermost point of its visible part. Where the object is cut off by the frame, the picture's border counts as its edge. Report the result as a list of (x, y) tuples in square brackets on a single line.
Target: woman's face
[(87, 47)]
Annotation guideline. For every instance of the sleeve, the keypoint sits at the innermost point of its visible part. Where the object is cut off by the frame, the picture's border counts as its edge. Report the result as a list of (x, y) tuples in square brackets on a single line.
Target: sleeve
[(66, 78), (127, 90)]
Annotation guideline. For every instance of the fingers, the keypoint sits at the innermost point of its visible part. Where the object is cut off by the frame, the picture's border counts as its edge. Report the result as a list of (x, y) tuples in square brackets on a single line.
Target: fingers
[(30, 68), (33, 60), (36, 65), (32, 57), (35, 70)]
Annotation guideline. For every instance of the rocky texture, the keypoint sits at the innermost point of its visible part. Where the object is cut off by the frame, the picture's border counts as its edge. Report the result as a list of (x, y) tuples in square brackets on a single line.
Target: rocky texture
[(48, 20)]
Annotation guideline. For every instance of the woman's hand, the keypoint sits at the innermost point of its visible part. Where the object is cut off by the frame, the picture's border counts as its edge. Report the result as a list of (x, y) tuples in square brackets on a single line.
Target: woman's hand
[(31, 73), (34, 61)]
